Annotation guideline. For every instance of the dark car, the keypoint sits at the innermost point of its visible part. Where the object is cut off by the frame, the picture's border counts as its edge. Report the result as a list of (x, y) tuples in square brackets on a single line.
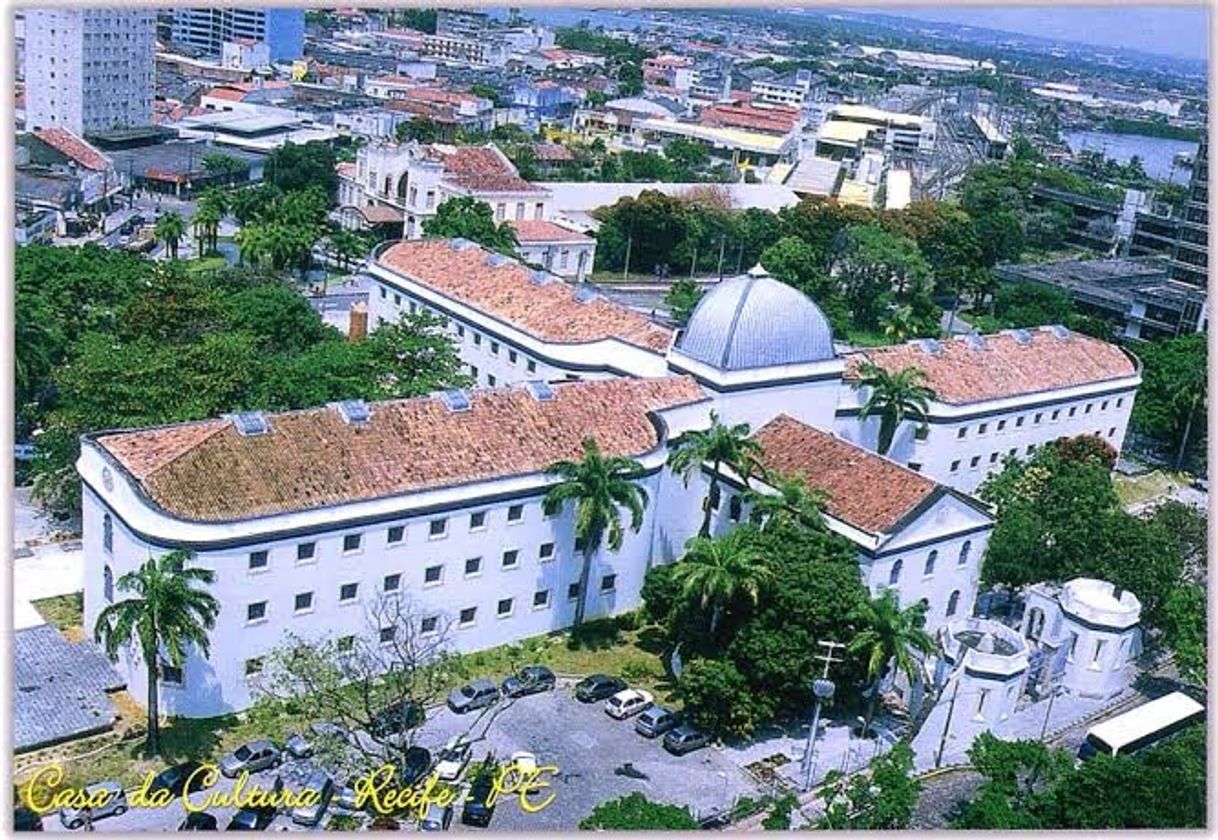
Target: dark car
[(530, 680), (392, 722), (472, 696), (478, 808), (175, 779), (26, 819), (598, 687), (251, 819), (685, 739), (198, 821), (415, 765)]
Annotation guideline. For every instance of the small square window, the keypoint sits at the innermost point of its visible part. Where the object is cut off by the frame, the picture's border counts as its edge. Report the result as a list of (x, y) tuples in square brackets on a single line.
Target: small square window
[(388, 634), (512, 356), (922, 432), (347, 592), (351, 542), (1014, 449), (974, 461), (253, 667), (473, 566), (306, 551), (170, 674), (580, 545), (504, 607), (304, 601), (993, 457), (346, 644), (477, 521), (468, 615), (477, 339), (573, 592), (397, 533), (915, 466), (256, 611), (608, 583), (541, 598), (955, 466), (392, 583), (437, 528), (429, 624), (531, 366), (433, 574), (960, 433), (1031, 448), (494, 348), (546, 552), (1002, 424), (258, 560), (511, 558), (491, 380), (515, 513)]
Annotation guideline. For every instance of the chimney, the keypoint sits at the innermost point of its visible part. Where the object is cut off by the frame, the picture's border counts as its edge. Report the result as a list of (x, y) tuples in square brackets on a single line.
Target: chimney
[(357, 327)]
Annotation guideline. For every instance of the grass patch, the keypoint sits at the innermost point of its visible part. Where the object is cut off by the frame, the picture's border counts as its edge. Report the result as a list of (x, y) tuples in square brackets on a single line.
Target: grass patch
[(65, 612), (867, 338), (1133, 490), (205, 264)]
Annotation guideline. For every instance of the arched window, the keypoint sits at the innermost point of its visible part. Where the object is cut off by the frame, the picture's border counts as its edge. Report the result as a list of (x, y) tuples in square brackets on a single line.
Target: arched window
[(402, 184), (929, 568), (734, 508), (108, 533), (953, 602), (894, 576), (108, 583), (964, 552), (1036, 623)]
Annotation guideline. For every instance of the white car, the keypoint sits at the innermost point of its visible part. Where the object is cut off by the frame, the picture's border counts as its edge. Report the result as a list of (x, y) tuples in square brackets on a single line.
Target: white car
[(626, 703), (452, 759)]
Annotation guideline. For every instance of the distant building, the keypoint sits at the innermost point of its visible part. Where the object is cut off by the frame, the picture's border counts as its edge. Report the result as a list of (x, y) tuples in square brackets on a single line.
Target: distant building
[(794, 89), (461, 23), (1190, 255), (282, 29), (89, 70), (245, 54), (557, 249), (848, 129)]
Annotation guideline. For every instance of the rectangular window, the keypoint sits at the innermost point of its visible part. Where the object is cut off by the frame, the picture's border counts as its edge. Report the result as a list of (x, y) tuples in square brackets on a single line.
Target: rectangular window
[(433, 574), (531, 366), (608, 583), (258, 560), (546, 552), (580, 545), (477, 339), (512, 356), (1056, 413), (1031, 448), (392, 583), (1104, 405), (387, 634), (515, 513), (981, 428), (915, 466), (511, 558), (573, 592), (253, 667), (397, 533), (1073, 645), (922, 432), (1019, 422), (961, 432), (170, 675), (437, 528), (1111, 431), (993, 457), (541, 599), (304, 602), (1087, 408), (1037, 418), (460, 331), (976, 459), (351, 542), (505, 607), (397, 299), (467, 616), (256, 611), (306, 551), (1099, 650), (982, 696), (347, 592), (473, 373), (500, 210), (473, 566), (538, 210), (429, 624), (490, 380), (494, 348), (955, 466), (1073, 410), (1120, 401), (477, 521)]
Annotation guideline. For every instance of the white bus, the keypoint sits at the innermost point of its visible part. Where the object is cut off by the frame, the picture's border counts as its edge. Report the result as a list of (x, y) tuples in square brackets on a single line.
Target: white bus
[(1147, 725)]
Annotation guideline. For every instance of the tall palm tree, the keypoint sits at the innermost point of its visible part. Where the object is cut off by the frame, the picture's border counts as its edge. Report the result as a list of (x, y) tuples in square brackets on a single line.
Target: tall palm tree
[(165, 616), (718, 570), (206, 220), (600, 487), (170, 229), (213, 207), (888, 637), (794, 501), (720, 444), (894, 397)]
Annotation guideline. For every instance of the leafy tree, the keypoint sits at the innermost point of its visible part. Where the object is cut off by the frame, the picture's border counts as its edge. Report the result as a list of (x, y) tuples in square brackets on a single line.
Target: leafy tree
[(792, 502), (1032, 305), (889, 639), (639, 232), (884, 800), (794, 262), (280, 318), (420, 129), (898, 323), (681, 298), (170, 229), (820, 223), (424, 20), (721, 445), (1172, 401), (719, 698), (893, 397), (600, 487), (225, 166), (1047, 229), (466, 217), (635, 812), (298, 167), (246, 203), (1184, 628), (349, 247), (688, 156), (717, 571), (1016, 774), (1188, 527), (166, 615), (873, 266)]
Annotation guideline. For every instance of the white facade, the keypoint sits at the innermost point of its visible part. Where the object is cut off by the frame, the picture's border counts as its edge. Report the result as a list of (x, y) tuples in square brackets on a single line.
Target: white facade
[(89, 70), (245, 54)]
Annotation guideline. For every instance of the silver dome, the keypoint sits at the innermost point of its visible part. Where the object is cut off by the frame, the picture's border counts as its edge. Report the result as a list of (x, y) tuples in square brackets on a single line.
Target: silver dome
[(755, 321)]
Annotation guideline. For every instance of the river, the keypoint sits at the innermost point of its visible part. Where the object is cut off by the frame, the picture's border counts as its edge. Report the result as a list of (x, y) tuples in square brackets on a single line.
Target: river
[(1156, 152)]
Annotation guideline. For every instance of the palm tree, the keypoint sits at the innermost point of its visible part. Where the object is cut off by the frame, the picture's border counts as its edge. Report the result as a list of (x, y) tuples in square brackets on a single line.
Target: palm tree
[(794, 501), (213, 207), (720, 444), (206, 220), (600, 486), (718, 570), (888, 637), (170, 229), (166, 615), (894, 397)]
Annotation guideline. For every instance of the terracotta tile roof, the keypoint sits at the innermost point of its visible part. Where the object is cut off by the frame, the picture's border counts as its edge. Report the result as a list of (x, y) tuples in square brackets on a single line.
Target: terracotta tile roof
[(345, 170), (508, 292), (1005, 367), (484, 169), (381, 214), (228, 94), (536, 230), (777, 120), (71, 146), (862, 489), (309, 459)]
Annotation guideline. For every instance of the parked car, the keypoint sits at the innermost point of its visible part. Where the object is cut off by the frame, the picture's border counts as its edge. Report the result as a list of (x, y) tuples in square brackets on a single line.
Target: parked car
[(26, 819), (531, 680), (438, 818), (393, 722), (452, 759), (598, 687), (626, 703), (251, 757), (251, 819), (319, 780), (655, 721), (685, 739), (175, 779), (198, 821), (415, 765), (473, 695), (114, 805), (479, 809), (297, 746)]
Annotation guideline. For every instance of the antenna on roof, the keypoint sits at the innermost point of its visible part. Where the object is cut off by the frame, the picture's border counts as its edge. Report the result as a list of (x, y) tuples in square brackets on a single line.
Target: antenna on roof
[(250, 423), (456, 400), (540, 389), (353, 412)]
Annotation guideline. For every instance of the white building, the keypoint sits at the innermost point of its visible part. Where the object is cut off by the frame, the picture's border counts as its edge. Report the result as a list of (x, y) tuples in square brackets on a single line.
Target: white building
[(89, 70), (556, 248), (309, 517), (245, 54)]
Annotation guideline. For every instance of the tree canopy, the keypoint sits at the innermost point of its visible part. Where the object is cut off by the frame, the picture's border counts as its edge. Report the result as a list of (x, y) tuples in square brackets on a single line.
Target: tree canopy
[(465, 217)]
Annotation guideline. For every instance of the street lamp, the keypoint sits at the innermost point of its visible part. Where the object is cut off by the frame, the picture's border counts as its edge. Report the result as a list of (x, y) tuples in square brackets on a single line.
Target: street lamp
[(822, 689)]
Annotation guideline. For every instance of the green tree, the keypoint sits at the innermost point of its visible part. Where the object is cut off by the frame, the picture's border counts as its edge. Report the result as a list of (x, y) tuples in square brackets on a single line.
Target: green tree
[(170, 229), (721, 445), (466, 217), (167, 615), (874, 266), (420, 129), (898, 323), (884, 799), (1017, 773), (348, 247), (635, 812), (894, 397), (794, 262), (600, 487), (718, 571), (719, 699), (639, 233), (889, 639), (300, 166), (792, 501), (681, 298), (1184, 628), (1173, 398), (224, 166)]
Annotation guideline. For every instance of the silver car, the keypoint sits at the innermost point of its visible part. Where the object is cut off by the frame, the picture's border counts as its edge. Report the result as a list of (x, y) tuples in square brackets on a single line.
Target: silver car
[(473, 696), (320, 782), (251, 757), (115, 804)]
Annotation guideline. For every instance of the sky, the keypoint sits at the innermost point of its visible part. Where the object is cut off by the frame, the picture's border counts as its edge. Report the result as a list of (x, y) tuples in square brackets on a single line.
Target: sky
[(1181, 32)]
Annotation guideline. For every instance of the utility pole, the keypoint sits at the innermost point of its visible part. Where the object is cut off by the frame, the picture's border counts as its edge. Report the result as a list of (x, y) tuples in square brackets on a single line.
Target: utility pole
[(822, 689), (951, 707)]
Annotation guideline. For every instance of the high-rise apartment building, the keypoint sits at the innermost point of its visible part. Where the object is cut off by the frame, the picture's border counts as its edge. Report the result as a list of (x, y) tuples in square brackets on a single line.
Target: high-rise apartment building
[(1190, 256), (89, 70), (207, 29)]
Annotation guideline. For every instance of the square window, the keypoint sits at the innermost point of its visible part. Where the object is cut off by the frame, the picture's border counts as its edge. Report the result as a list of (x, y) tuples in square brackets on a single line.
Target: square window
[(392, 583), (253, 667), (961, 432), (955, 465), (976, 459), (437, 528), (531, 366), (511, 558), (414, 308), (256, 611), (993, 457), (1013, 451), (388, 634), (494, 348), (477, 520), (468, 615), (573, 592), (397, 533), (922, 432), (546, 552), (170, 674), (346, 644), (580, 545), (504, 607), (1031, 448), (541, 598), (306, 551), (351, 542), (258, 560), (433, 574), (304, 601), (490, 380), (608, 583), (1002, 424), (515, 513), (473, 566), (429, 624), (347, 592), (512, 356)]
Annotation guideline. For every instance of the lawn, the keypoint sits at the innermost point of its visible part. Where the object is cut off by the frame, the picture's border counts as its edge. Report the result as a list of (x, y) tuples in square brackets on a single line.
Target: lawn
[(64, 612), (867, 338), (204, 264), (1133, 490)]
